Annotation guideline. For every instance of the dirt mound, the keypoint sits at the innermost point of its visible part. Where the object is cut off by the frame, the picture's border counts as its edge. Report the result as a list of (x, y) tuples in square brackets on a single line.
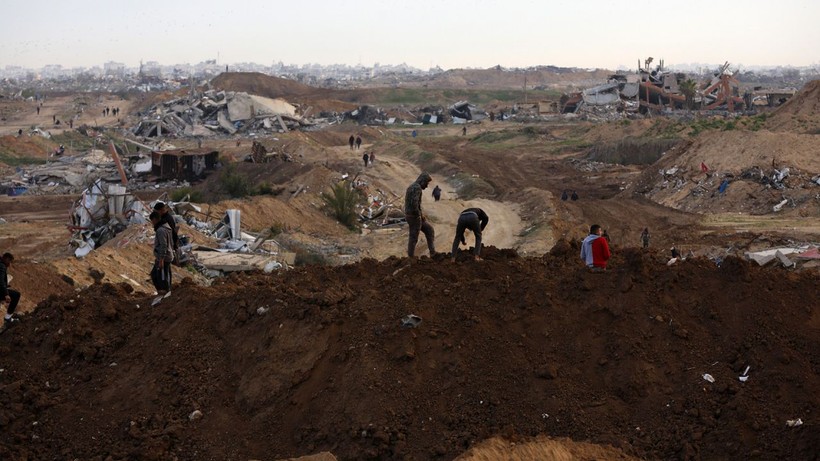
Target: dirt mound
[(544, 448), (315, 359), (261, 84), (742, 157), (801, 113)]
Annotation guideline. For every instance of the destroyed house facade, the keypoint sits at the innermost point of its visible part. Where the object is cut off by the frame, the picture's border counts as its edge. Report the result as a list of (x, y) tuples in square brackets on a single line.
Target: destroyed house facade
[(183, 164)]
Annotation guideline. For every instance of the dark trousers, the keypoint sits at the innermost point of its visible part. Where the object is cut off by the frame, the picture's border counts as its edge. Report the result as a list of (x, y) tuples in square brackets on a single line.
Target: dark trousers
[(15, 298), (468, 221), (417, 224), (161, 276)]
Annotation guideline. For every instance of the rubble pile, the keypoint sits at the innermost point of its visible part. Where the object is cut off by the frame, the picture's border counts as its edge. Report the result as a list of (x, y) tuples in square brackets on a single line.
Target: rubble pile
[(73, 174), (796, 186), (219, 112)]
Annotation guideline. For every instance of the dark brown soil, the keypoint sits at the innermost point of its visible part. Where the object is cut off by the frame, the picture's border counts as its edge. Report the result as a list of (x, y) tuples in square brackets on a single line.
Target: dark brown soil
[(510, 345)]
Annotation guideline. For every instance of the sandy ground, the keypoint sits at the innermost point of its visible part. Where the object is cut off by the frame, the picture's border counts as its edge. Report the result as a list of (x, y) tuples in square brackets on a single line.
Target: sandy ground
[(85, 110)]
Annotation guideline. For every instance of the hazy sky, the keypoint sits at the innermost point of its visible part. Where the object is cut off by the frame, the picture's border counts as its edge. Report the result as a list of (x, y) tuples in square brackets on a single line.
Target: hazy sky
[(447, 33)]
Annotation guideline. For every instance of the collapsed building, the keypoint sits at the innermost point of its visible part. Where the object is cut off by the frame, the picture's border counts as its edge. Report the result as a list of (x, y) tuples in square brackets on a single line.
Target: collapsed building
[(216, 113), (659, 90)]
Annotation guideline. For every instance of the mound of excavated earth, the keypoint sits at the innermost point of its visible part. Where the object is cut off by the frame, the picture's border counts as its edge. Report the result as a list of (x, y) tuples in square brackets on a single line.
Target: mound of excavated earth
[(315, 359), (801, 113)]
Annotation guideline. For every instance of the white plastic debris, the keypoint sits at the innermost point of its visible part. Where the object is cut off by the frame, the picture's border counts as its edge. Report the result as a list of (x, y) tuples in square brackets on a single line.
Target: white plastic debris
[(794, 422), (745, 376), (262, 310), (708, 377), (196, 414)]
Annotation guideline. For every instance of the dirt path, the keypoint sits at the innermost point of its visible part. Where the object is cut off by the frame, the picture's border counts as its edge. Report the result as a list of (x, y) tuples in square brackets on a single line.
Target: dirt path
[(85, 110), (395, 174)]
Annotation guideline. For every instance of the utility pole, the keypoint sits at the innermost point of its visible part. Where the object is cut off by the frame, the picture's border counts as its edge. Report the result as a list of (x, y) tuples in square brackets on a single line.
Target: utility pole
[(525, 87)]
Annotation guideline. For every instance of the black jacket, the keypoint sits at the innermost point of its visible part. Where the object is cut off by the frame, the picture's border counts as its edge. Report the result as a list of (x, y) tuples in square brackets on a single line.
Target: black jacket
[(482, 216), (4, 281)]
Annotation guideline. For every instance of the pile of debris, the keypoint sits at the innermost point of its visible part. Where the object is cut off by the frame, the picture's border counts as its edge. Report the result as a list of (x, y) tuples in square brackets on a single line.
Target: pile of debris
[(712, 184), (155, 167), (99, 215), (792, 257), (220, 112)]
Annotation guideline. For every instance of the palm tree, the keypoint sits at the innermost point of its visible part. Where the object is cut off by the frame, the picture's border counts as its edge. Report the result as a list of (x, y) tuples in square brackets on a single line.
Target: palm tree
[(688, 88)]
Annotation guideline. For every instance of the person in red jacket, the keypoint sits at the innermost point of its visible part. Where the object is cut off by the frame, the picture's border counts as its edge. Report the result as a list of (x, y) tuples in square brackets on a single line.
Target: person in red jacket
[(595, 249)]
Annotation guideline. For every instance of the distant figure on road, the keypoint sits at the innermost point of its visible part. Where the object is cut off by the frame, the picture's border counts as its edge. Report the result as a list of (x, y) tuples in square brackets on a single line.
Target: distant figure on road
[(372, 158), (464, 130), (437, 193), (20, 132), (351, 140), (476, 220), (54, 118), (645, 237), (38, 110), (595, 249), (7, 295), (564, 195), (415, 133), (358, 142), (366, 159), (416, 220), (574, 196)]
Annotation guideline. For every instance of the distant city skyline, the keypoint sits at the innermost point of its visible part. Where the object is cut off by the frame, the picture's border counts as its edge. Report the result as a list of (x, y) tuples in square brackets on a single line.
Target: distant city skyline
[(449, 34)]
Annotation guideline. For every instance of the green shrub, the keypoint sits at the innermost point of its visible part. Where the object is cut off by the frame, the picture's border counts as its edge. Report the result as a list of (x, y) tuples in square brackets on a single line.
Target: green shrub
[(308, 257), (276, 228), (341, 200), (234, 183), (264, 189), (193, 195)]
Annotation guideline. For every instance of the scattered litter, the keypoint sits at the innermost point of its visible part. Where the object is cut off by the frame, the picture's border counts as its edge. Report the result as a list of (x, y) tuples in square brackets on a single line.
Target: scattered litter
[(794, 422), (708, 377), (410, 321), (262, 310), (195, 415)]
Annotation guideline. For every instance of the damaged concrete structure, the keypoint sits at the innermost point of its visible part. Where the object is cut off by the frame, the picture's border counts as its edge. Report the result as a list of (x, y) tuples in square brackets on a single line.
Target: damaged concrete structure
[(183, 164), (218, 113)]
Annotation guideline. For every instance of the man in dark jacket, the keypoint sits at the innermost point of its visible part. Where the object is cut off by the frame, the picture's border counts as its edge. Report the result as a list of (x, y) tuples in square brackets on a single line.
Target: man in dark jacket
[(416, 220), (437, 193), (11, 297), (476, 220), (163, 256), (166, 217), (351, 140), (358, 142)]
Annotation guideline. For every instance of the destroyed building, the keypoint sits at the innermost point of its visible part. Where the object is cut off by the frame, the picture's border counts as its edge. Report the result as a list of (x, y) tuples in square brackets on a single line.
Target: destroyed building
[(218, 112), (183, 164)]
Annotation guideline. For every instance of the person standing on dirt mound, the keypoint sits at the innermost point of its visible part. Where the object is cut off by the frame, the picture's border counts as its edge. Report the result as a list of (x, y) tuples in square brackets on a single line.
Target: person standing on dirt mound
[(351, 140), (595, 249), (366, 159), (358, 142), (437, 193), (416, 220), (645, 237), (7, 295), (476, 220), (167, 218), (163, 256)]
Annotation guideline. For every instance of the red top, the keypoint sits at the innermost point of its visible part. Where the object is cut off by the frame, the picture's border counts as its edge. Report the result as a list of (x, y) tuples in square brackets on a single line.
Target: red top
[(600, 252)]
